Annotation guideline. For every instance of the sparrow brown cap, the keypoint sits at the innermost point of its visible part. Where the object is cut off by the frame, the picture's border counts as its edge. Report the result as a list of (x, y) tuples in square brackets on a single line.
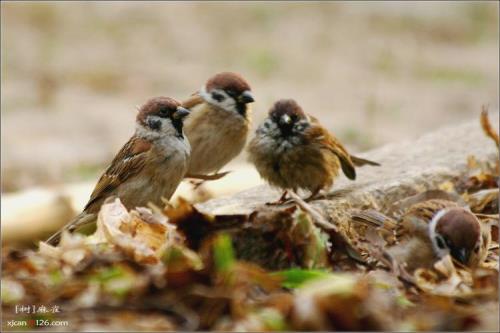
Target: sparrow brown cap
[(461, 230), (155, 105), (228, 81), (286, 106)]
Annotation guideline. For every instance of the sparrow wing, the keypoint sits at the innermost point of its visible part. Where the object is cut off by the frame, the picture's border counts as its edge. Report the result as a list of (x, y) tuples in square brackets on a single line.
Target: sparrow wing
[(338, 149), (192, 101), (129, 161), (326, 140), (374, 218)]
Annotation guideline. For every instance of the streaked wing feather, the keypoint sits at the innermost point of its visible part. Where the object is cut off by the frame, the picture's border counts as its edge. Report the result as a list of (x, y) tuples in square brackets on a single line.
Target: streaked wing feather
[(317, 133), (126, 164)]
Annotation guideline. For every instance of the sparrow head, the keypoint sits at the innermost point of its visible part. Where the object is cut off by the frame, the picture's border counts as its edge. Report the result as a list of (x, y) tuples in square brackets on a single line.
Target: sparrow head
[(456, 231), (162, 115), (288, 117), (228, 91)]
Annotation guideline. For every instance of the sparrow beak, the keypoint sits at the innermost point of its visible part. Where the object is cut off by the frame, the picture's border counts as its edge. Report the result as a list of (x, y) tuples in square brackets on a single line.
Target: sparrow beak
[(246, 97), (285, 120), (181, 113), (461, 255)]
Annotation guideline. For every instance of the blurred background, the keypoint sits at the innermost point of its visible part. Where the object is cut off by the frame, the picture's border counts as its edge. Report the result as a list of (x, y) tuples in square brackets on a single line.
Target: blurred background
[(72, 73)]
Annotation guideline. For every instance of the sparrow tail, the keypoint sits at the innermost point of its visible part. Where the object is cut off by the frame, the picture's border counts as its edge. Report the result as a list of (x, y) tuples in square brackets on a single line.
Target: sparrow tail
[(81, 220), (375, 219), (358, 161)]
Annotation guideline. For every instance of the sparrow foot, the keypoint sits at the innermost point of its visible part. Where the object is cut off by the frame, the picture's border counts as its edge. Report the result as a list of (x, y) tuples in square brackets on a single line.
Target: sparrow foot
[(282, 200), (314, 195), (196, 183)]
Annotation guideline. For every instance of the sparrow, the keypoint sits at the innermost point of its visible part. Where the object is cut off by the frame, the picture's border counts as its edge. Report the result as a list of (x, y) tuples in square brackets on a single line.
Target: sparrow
[(432, 229), (219, 123), (291, 150), (148, 167)]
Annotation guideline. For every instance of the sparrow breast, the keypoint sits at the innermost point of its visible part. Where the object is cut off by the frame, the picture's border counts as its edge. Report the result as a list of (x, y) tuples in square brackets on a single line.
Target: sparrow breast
[(291, 161), (216, 137)]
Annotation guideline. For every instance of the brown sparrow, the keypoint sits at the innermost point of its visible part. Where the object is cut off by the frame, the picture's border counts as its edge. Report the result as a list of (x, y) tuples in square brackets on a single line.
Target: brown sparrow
[(291, 150), (431, 229), (148, 167), (219, 123)]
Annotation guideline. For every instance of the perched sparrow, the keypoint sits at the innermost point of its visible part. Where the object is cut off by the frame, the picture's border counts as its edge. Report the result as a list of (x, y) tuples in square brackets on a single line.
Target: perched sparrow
[(431, 229), (291, 150), (219, 123), (148, 167)]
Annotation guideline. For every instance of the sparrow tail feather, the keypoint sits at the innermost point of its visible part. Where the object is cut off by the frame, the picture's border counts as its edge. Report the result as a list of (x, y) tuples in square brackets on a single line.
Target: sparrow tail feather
[(81, 220), (358, 161), (374, 218)]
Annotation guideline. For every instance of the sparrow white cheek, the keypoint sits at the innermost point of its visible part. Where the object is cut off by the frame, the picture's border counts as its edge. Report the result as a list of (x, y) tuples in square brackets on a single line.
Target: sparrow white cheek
[(440, 249), (145, 132), (226, 102)]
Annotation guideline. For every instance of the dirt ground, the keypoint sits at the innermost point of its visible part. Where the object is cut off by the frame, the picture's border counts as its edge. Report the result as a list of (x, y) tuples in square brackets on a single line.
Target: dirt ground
[(73, 73)]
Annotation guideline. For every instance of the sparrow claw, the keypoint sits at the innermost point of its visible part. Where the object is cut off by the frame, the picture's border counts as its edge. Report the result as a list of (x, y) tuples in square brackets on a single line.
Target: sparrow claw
[(196, 183), (279, 202), (282, 200), (314, 195)]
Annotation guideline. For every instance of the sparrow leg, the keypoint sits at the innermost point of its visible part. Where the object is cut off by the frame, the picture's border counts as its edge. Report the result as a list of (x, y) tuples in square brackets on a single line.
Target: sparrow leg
[(283, 199), (314, 195), (196, 183)]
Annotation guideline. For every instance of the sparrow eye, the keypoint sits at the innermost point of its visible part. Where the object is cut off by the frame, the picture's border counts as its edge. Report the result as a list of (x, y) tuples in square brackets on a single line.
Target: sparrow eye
[(440, 242), (476, 249), (154, 124), (164, 111), (218, 97), (448, 242)]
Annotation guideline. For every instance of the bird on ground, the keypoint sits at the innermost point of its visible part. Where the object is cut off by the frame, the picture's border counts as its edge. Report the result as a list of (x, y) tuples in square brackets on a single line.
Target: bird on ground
[(148, 167), (291, 150), (431, 229)]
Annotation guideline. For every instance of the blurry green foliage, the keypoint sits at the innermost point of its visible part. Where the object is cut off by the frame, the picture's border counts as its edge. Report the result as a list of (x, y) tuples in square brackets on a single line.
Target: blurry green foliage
[(385, 62), (295, 277), (223, 253), (357, 136), (450, 74), (84, 171), (263, 61), (464, 23)]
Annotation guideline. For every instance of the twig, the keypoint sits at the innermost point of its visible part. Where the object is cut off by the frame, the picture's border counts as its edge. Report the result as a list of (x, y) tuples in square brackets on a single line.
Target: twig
[(486, 125), (317, 217)]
